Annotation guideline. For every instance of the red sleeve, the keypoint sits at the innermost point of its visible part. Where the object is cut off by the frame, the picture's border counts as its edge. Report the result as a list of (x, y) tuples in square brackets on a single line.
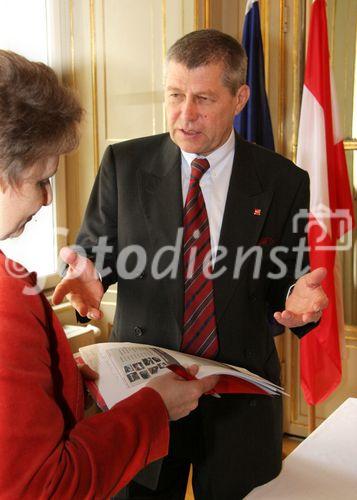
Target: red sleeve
[(134, 434), (40, 455)]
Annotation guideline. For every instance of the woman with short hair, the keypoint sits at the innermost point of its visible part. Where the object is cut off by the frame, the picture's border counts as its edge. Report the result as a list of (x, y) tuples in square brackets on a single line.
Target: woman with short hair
[(47, 448)]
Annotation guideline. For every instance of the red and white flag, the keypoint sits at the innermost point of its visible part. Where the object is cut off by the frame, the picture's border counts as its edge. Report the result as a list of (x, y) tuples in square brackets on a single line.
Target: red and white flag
[(321, 153)]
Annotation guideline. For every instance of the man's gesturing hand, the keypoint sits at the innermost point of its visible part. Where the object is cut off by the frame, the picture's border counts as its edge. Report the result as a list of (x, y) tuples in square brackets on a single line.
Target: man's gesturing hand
[(81, 285), (306, 302), (181, 396)]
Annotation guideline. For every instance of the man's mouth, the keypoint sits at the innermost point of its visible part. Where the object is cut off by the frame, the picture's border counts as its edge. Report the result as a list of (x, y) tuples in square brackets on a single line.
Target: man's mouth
[(190, 133)]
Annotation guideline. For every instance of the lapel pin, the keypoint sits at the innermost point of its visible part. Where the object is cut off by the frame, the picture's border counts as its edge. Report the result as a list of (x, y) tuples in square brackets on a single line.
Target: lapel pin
[(257, 211)]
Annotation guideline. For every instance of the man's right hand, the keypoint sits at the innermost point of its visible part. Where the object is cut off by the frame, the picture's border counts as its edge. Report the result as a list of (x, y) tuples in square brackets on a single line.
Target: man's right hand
[(181, 396), (81, 285)]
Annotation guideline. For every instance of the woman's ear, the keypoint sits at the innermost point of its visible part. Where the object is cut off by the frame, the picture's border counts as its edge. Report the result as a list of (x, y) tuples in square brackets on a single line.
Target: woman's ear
[(3, 183)]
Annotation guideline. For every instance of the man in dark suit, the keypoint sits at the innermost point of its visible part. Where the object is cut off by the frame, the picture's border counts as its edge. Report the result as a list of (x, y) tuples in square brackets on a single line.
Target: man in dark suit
[(164, 202)]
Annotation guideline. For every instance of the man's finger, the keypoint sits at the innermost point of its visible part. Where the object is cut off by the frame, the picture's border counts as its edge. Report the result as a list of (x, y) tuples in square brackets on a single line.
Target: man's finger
[(80, 307), (287, 315), (65, 287), (94, 313), (61, 290), (315, 278), (278, 318), (83, 307), (289, 319), (312, 317)]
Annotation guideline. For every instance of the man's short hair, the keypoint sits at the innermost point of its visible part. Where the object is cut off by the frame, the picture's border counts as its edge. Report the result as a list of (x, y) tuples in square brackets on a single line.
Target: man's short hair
[(39, 117), (209, 46)]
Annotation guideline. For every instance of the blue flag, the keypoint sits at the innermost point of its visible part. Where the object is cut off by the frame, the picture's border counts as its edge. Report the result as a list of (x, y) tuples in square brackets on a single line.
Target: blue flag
[(253, 123)]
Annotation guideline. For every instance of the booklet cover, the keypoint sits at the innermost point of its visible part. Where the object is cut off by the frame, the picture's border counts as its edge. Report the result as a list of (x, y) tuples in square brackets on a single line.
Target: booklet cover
[(125, 367)]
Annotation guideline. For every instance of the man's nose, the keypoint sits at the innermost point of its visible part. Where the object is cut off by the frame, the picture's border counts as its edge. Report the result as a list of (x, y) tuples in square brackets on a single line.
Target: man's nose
[(189, 111)]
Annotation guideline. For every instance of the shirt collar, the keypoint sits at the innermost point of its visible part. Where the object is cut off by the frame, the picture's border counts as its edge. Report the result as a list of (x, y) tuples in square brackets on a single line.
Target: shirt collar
[(215, 158)]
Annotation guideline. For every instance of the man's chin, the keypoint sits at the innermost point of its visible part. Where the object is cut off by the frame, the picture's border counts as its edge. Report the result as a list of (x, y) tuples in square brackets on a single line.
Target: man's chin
[(189, 144)]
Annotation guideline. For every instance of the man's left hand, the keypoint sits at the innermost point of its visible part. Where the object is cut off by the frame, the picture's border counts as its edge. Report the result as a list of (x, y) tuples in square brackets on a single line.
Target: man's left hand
[(306, 302)]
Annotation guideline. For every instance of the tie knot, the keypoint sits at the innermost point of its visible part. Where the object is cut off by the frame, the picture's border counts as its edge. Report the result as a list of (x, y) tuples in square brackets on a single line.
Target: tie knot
[(198, 167)]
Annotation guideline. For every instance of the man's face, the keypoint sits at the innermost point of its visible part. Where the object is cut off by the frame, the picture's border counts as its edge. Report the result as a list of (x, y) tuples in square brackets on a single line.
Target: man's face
[(200, 109)]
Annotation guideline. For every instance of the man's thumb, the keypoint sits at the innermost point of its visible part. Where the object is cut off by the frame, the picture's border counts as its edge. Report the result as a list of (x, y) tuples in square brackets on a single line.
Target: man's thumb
[(69, 256), (316, 276), (77, 262)]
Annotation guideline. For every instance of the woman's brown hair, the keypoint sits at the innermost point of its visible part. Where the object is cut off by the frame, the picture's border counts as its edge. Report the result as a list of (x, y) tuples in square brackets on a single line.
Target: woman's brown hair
[(39, 117)]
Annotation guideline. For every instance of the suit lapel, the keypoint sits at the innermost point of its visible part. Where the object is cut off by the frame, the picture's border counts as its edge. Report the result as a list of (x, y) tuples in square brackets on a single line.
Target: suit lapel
[(160, 189), (244, 216), (247, 205)]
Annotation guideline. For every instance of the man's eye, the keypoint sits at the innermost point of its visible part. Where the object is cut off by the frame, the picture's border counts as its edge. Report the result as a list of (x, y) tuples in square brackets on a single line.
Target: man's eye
[(203, 98)]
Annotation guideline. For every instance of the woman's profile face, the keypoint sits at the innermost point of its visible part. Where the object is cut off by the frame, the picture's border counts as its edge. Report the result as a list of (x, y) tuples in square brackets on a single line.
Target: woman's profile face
[(18, 204)]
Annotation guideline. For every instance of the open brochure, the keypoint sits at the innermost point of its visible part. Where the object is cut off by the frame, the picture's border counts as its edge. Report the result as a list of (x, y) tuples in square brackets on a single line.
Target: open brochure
[(125, 367)]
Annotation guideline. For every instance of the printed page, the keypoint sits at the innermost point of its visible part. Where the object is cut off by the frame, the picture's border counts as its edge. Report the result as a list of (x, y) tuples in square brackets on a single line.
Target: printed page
[(125, 367)]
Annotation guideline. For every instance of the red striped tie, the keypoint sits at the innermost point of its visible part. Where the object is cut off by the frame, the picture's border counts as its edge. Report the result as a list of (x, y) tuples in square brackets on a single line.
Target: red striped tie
[(199, 331)]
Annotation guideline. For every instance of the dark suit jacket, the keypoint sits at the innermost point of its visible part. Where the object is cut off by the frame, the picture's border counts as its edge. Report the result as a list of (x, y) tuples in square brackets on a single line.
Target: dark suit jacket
[(137, 200)]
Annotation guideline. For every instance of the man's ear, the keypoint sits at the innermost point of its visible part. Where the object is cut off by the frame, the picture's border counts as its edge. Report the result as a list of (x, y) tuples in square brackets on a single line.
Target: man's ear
[(242, 97)]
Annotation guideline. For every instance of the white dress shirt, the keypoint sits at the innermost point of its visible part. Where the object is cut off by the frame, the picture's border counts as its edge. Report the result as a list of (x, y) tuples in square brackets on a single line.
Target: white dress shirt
[(214, 185)]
